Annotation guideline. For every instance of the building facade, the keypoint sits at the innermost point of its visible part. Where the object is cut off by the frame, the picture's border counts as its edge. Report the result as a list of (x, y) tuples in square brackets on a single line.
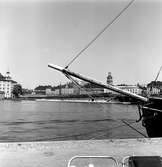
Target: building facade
[(91, 91), (74, 91), (153, 91), (154, 88), (130, 88), (6, 85)]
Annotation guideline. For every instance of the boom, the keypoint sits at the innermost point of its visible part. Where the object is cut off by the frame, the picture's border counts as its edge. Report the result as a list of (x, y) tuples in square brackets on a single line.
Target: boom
[(110, 87)]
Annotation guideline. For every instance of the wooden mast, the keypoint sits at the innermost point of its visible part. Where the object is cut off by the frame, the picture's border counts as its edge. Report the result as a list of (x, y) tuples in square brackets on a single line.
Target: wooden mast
[(110, 87)]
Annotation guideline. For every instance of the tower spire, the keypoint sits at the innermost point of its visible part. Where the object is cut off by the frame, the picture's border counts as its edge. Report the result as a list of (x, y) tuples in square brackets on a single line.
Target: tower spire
[(109, 79), (8, 74)]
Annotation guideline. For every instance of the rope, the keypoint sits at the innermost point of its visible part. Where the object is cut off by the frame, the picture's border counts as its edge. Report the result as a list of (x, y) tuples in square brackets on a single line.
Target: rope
[(92, 132), (100, 33), (77, 84), (125, 122), (86, 133), (158, 74)]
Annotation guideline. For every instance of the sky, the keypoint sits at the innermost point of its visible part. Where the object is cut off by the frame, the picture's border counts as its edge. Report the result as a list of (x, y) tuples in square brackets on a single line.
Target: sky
[(37, 32)]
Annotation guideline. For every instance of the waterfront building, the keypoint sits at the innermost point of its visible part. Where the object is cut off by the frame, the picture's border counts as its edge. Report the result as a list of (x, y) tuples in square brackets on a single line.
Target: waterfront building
[(109, 91), (67, 91), (51, 92), (62, 91), (6, 85), (153, 90), (70, 89), (48, 91), (91, 91), (56, 92), (42, 90), (131, 88)]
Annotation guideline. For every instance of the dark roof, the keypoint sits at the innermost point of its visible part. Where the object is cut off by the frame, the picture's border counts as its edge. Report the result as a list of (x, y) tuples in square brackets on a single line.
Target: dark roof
[(8, 80), (3, 78), (11, 81), (157, 84)]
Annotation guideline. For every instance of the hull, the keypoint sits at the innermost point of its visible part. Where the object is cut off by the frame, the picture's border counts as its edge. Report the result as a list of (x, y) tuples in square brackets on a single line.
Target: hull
[(151, 110), (152, 117)]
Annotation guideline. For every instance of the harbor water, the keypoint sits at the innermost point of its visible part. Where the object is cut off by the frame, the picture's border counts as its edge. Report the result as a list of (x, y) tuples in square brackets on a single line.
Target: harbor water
[(61, 120)]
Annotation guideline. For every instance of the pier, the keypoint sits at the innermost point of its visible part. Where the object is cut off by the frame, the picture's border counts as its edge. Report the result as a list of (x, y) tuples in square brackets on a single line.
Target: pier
[(59, 153)]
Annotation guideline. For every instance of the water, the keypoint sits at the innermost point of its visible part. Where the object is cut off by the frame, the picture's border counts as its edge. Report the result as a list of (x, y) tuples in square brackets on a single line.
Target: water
[(39, 121)]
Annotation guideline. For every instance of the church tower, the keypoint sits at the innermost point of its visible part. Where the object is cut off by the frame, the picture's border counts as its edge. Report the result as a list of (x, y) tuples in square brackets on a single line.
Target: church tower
[(109, 79)]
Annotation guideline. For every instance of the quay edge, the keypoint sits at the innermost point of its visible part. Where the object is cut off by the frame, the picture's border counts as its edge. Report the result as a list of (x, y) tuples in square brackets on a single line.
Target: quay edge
[(58, 153)]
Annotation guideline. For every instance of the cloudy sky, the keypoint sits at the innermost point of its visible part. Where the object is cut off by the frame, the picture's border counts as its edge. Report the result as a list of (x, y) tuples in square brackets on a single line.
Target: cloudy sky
[(36, 32)]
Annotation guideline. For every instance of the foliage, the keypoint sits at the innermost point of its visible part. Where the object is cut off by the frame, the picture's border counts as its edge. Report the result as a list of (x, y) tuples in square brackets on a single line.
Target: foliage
[(43, 87), (157, 84), (89, 85), (17, 90), (1, 77), (61, 86)]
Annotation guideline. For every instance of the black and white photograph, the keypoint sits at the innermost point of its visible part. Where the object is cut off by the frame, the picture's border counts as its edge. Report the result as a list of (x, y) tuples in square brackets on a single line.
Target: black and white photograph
[(80, 83)]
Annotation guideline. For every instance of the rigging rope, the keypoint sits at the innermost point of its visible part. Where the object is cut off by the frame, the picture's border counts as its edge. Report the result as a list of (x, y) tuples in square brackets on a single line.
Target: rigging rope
[(101, 32), (125, 122), (77, 136), (78, 85)]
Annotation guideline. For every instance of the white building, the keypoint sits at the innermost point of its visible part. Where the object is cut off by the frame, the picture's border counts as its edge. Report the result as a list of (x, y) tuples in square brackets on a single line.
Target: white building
[(91, 91), (6, 85), (130, 88), (62, 91), (153, 91)]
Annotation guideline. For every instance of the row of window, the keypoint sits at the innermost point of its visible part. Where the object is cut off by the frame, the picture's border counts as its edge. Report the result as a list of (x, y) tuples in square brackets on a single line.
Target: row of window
[(7, 91), (4, 85), (4, 88)]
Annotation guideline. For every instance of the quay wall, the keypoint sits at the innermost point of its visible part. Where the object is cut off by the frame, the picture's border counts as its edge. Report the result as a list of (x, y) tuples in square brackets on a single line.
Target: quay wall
[(58, 154)]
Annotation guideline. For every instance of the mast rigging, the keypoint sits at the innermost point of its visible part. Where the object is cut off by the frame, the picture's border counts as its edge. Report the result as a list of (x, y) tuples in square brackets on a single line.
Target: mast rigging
[(100, 33)]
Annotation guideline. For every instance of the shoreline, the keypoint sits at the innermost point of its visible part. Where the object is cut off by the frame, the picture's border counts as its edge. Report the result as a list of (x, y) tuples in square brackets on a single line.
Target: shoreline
[(104, 98), (82, 101)]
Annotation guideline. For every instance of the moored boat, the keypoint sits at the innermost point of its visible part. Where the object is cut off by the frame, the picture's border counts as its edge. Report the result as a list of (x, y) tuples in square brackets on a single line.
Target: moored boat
[(150, 109)]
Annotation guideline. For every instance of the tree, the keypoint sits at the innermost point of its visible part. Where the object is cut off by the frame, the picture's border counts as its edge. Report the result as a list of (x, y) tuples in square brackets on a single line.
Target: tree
[(17, 90), (43, 87), (157, 84)]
